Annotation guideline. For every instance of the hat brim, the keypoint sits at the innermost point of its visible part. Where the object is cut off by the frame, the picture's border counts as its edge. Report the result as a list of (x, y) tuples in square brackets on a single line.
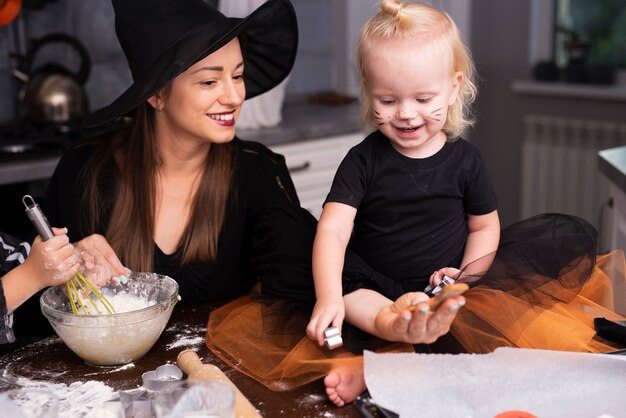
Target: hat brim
[(269, 42)]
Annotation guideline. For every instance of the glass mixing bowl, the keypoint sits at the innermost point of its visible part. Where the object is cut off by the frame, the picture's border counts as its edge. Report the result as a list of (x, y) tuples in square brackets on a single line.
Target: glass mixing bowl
[(119, 338)]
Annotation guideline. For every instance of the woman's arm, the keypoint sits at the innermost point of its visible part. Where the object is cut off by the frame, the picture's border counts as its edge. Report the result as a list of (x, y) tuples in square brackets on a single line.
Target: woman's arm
[(374, 313)]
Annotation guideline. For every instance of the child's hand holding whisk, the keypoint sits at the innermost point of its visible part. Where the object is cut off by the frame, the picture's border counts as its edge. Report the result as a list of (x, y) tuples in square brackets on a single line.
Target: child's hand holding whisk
[(52, 262), (49, 263)]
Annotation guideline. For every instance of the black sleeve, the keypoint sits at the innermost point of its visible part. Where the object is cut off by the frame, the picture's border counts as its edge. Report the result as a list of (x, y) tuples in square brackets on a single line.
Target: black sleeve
[(479, 196), (350, 181)]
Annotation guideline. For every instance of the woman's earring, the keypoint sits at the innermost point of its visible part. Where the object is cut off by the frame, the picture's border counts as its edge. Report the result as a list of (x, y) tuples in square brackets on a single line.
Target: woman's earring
[(160, 107)]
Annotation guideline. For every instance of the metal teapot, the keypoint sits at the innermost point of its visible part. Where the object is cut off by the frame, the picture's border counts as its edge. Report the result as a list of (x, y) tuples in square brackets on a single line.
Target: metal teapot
[(52, 93)]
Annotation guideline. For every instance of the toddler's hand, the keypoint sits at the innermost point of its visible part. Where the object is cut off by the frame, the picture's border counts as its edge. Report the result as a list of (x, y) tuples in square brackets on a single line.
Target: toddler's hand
[(437, 275), (327, 311), (52, 262)]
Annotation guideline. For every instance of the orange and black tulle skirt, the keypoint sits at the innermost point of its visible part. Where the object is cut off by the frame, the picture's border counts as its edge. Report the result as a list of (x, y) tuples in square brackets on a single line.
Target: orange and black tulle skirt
[(542, 289)]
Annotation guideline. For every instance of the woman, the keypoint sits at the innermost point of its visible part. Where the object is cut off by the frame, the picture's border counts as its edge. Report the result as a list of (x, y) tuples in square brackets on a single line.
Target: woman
[(177, 193), (175, 185)]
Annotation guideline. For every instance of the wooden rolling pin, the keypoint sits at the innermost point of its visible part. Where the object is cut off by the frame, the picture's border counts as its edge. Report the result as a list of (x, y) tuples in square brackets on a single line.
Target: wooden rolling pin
[(190, 363)]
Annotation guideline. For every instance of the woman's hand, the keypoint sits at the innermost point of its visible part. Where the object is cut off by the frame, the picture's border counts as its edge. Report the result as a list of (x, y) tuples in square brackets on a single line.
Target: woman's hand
[(410, 320), (99, 261), (327, 311)]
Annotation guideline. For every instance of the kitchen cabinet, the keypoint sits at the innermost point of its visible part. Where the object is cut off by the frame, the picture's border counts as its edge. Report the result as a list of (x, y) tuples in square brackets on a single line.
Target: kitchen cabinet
[(312, 165)]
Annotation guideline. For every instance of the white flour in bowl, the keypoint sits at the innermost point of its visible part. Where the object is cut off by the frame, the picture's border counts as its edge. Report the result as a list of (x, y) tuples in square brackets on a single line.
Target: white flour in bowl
[(124, 302)]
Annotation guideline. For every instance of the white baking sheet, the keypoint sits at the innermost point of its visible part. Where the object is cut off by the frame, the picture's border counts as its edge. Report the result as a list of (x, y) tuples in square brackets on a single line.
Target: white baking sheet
[(543, 383)]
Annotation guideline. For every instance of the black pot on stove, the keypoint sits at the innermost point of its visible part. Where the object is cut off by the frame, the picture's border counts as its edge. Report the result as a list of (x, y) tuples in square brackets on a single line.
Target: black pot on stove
[(51, 93)]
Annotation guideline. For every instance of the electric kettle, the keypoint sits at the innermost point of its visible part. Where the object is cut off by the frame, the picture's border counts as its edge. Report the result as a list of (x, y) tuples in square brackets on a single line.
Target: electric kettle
[(51, 93)]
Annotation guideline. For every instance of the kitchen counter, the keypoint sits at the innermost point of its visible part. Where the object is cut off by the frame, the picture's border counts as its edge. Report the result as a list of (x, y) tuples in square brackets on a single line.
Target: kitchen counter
[(612, 163), (26, 169), (304, 121), (301, 122)]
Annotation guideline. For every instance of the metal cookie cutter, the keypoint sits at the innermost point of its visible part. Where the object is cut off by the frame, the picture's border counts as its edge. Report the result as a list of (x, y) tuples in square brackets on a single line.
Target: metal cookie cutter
[(332, 338), (430, 291), (163, 377)]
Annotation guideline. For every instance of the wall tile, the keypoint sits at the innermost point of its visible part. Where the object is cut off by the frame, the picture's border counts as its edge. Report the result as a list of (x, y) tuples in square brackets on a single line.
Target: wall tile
[(53, 17), (93, 23), (313, 70), (314, 25), (6, 48), (9, 88), (311, 74), (107, 81)]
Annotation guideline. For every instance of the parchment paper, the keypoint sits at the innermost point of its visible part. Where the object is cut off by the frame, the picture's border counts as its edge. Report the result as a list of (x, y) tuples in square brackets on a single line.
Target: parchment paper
[(543, 383)]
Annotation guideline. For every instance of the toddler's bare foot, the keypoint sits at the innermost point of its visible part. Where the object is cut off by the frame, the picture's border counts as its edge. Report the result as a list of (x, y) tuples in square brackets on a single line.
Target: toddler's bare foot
[(343, 386)]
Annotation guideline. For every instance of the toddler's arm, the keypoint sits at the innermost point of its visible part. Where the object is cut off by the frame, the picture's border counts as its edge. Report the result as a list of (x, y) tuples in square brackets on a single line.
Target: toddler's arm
[(483, 237), (329, 248), (482, 240)]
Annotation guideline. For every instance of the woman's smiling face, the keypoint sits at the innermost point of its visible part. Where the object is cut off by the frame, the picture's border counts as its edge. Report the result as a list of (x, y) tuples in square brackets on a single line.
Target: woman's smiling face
[(410, 93), (204, 102)]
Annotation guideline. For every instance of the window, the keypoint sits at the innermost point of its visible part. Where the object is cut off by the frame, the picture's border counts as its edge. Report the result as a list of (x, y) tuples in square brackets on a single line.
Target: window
[(591, 31)]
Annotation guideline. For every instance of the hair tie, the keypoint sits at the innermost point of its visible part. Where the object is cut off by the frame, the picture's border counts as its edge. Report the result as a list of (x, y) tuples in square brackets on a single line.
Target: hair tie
[(399, 9)]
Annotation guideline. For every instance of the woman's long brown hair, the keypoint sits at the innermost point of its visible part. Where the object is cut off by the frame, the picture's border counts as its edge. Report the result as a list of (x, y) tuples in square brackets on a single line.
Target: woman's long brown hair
[(130, 230)]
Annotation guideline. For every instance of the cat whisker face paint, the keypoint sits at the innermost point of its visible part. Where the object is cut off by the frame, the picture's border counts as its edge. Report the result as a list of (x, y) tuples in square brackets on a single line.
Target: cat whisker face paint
[(379, 119), (436, 115)]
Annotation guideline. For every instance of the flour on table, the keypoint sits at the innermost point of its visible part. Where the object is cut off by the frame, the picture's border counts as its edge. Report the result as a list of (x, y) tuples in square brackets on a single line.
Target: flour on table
[(113, 370), (186, 336), (311, 399), (76, 400)]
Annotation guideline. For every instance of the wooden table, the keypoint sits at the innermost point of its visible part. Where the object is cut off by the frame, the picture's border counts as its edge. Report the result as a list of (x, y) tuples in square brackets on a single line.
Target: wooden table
[(52, 361)]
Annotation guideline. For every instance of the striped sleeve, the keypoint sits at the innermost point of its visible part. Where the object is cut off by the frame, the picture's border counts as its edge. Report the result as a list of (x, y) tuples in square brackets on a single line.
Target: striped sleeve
[(12, 253)]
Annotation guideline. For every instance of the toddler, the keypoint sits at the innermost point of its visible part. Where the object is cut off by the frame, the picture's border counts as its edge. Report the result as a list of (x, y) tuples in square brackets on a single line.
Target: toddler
[(413, 199)]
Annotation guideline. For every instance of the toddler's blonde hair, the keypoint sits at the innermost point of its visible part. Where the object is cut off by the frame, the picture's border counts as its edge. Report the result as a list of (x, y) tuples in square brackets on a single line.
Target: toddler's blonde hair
[(435, 28)]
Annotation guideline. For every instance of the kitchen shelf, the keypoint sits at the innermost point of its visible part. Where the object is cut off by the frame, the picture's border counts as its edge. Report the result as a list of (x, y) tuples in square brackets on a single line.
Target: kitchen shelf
[(616, 92)]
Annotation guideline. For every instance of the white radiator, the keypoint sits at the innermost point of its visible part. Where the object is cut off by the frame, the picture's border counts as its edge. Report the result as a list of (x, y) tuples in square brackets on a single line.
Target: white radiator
[(560, 166)]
